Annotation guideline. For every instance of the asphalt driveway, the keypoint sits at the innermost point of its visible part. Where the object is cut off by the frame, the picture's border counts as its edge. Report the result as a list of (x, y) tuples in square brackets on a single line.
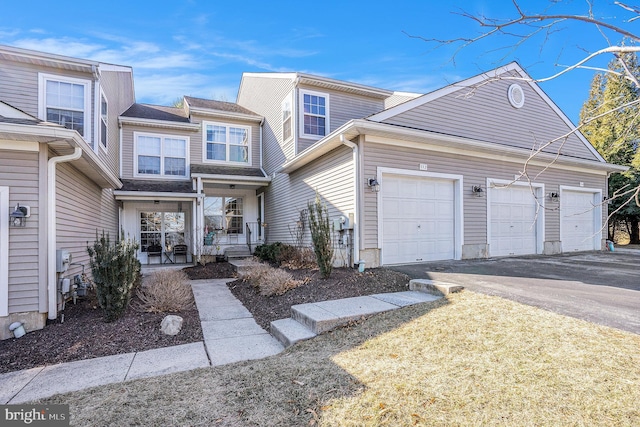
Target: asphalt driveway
[(600, 287)]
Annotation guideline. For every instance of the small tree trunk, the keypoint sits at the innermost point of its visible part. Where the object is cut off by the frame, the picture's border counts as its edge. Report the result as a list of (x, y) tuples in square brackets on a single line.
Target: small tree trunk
[(634, 230)]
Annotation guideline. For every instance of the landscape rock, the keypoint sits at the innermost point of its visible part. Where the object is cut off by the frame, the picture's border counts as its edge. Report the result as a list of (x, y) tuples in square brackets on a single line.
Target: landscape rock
[(171, 325)]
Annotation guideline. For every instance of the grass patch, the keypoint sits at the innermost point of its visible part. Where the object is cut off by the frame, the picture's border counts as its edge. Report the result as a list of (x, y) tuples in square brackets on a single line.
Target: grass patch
[(469, 359)]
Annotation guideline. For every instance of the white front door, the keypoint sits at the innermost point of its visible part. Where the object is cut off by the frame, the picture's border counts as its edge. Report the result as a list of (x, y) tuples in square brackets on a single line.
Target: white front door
[(512, 221), (418, 219), (580, 219)]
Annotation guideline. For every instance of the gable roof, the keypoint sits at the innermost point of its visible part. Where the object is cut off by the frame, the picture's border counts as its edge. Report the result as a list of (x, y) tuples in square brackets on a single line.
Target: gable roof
[(221, 108), (443, 111), (324, 83), (156, 112)]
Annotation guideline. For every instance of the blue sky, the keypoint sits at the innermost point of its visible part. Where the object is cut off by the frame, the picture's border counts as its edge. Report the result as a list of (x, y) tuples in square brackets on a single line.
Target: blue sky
[(201, 48)]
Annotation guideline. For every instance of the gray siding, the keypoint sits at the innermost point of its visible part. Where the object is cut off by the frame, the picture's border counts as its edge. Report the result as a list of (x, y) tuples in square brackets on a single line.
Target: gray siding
[(332, 177), (486, 115), (118, 89), (19, 171), (342, 108), (264, 96), (475, 171), (19, 86), (82, 209)]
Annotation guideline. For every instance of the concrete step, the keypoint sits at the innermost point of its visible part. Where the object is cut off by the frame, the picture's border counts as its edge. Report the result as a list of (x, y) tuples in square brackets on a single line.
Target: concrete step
[(237, 252), (289, 331), (434, 287), (309, 320)]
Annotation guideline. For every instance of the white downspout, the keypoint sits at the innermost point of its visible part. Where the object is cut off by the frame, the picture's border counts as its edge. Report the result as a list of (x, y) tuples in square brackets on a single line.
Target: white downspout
[(200, 217), (51, 229), (356, 198)]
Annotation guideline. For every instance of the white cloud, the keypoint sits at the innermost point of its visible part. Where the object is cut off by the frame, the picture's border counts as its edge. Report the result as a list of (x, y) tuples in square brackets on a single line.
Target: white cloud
[(61, 46)]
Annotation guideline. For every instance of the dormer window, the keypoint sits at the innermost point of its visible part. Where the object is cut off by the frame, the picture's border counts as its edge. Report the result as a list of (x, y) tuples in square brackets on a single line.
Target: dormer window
[(315, 114), (66, 101)]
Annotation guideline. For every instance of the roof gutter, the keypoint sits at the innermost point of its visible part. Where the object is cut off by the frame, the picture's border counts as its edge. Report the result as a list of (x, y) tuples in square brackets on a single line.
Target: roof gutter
[(51, 228)]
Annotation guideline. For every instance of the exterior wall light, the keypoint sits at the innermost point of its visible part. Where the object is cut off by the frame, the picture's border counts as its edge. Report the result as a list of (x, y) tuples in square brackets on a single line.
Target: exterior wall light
[(18, 218), (477, 191), (373, 184), (554, 197)]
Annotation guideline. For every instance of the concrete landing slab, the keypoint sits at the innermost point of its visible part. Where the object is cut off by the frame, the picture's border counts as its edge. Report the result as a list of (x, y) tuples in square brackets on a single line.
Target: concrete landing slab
[(73, 376), (406, 298), (162, 361), (434, 287), (326, 315), (289, 331), (12, 382), (236, 349), (315, 318), (217, 329)]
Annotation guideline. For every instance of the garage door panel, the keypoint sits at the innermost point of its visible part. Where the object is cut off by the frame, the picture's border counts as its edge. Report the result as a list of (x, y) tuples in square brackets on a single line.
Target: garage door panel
[(513, 221), (579, 223), (420, 226)]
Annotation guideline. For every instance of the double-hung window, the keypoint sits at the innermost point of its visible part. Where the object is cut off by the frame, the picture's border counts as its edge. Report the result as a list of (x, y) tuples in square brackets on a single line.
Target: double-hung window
[(315, 114), (226, 143), (66, 101), (161, 155)]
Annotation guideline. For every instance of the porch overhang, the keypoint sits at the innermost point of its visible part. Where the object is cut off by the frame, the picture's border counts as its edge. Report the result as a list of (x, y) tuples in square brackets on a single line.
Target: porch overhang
[(153, 196)]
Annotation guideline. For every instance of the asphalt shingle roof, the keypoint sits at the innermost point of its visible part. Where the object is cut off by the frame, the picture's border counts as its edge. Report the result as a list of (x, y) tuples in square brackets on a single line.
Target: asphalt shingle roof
[(156, 112)]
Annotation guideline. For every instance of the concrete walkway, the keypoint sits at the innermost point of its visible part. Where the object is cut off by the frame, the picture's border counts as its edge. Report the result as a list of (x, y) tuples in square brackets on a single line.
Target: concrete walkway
[(230, 335)]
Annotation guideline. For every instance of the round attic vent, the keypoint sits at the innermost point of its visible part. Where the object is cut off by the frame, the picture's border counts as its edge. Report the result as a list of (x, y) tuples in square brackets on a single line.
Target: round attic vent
[(516, 95)]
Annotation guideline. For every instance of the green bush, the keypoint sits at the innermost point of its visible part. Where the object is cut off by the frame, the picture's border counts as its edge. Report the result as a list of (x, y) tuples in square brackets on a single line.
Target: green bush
[(269, 253), (115, 270)]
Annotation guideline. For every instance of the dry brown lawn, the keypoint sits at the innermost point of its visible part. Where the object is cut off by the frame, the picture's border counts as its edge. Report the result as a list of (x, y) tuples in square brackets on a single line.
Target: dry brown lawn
[(468, 360)]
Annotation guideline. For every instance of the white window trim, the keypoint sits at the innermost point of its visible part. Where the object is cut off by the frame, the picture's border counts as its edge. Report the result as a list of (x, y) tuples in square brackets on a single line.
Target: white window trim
[(288, 99), (225, 162), (42, 94), (327, 129), (99, 120), (161, 175), (4, 251)]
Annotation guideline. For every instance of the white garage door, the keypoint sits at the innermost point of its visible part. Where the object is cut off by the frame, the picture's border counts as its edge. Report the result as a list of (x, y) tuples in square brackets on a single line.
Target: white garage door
[(578, 216), (513, 221), (418, 219)]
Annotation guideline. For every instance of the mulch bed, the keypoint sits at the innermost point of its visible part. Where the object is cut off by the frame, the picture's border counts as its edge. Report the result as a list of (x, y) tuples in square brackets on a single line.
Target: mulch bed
[(343, 283), (84, 334)]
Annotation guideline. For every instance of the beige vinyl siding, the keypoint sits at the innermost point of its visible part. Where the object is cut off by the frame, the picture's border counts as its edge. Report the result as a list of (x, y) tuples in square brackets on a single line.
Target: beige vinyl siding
[(19, 171), (475, 171), (195, 146), (486, 115), (117, 87), (342, 108), (332, 177), (82, 209), (264, 96), (398, 98)]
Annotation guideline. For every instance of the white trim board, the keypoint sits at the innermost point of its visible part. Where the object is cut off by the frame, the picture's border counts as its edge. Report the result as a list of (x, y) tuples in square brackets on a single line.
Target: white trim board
[(4, 251)]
